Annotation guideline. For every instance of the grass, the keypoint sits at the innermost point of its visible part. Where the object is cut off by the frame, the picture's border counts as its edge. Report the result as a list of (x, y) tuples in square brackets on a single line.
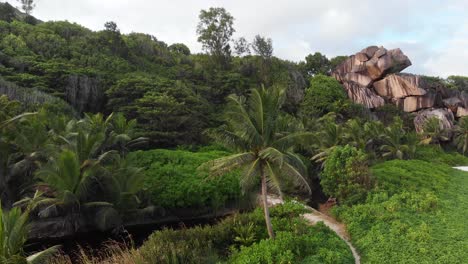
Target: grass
[(417, 214)]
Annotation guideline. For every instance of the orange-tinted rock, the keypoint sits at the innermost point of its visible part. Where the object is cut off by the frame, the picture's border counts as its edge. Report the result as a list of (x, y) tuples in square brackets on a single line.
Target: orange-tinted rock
[(362, 57), (362, 80), (370, 51), (394, 86), (462, 111), (415, 103), (372, 64)]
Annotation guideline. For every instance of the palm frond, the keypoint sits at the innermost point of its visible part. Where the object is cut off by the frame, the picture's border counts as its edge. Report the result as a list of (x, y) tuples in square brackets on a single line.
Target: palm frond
[(42, 256), (226, 164)]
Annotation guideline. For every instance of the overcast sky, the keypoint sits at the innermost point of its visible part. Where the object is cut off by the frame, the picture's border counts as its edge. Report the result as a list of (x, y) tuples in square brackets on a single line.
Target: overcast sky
[(434, 34)]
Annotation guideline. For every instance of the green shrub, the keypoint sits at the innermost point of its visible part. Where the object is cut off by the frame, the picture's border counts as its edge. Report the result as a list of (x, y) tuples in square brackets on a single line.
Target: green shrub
[(346, 175), (324, 95), (438, 155), (396, 176), (173, 180), (413, 215), (225, 241), (317, 244)]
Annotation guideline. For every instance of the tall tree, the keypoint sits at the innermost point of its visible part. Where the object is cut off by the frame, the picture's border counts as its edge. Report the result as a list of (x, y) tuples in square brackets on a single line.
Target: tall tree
[(111, 26), (264, 140), (263, 47), (316, 63), (241, 46), (27, 5), (215, 31)]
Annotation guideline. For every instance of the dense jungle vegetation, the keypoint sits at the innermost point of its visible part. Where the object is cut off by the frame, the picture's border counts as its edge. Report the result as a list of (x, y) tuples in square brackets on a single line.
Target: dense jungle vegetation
[(101, 130)]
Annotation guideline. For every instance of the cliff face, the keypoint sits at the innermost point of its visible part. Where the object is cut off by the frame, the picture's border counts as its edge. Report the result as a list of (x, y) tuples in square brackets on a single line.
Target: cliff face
[(9, 13), (84, 93), (372, 77)]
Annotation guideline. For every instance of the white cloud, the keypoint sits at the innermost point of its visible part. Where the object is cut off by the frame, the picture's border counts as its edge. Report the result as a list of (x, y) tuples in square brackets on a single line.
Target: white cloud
[(453, 58)]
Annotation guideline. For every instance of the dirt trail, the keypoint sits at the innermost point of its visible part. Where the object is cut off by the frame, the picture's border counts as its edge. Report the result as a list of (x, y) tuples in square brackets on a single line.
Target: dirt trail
[(315, 216)]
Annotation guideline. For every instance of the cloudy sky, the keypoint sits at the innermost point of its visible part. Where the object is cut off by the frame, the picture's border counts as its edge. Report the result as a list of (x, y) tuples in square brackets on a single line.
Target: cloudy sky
[(433, 33)]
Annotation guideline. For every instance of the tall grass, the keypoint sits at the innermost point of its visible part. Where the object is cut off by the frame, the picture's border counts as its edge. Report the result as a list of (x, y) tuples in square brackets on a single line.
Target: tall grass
[(113, 253)]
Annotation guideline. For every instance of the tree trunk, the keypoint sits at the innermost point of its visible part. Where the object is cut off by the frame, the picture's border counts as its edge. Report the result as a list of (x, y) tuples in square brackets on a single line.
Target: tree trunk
[(266, 210)]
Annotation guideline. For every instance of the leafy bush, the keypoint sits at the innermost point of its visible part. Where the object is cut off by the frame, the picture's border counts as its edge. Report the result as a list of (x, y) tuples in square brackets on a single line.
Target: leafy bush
[(346, 175), (221, 242), (324, 95), (317, 245), (173, 180), (396, 176), (438, 155)]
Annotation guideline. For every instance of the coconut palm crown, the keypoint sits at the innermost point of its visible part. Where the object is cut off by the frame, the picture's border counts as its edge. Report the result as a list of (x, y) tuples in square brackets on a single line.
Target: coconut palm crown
[(263, 138)]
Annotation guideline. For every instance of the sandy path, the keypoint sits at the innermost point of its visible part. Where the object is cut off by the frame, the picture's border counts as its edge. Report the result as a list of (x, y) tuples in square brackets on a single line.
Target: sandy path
[(315, 216)]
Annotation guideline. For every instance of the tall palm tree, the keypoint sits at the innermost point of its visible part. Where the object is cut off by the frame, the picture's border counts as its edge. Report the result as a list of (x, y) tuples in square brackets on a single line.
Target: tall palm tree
[(264, 141), (461, 134)]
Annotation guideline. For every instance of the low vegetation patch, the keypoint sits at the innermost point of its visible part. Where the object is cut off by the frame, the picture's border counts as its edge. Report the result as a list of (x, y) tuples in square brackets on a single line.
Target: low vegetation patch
[(414, 215), (243, 239), (173, 181)]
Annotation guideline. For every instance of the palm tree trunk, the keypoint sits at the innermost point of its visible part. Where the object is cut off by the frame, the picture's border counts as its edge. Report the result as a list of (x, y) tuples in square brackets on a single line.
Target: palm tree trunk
[(266, 210)]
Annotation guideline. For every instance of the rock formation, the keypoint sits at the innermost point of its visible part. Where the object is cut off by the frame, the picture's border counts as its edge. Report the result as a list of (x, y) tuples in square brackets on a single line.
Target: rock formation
[(360, 72), (372, 78), (296, 87), (444, 115)]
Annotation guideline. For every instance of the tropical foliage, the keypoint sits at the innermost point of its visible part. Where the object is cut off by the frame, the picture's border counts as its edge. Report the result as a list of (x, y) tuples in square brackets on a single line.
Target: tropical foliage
[(264, 140), (13, 234)]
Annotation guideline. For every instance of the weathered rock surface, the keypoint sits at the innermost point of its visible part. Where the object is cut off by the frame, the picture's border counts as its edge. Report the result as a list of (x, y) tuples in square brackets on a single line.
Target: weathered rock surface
[(363, 95), (452, 103), (372, 63), (359, 73), (296, 88), (464, 99), (415, 103), (444, 115), (394, 86), (462, 111)]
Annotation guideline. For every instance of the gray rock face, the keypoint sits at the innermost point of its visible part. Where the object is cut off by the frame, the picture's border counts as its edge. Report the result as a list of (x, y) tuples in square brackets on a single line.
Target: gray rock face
[(296, 88), (464, 99), (363, 95), (444, 115), (84, 93)]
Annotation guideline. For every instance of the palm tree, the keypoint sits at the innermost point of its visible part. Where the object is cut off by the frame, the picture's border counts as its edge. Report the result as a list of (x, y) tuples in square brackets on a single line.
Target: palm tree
[(69, 178), (264, 140), (11, 156), (13, 234), (461, 134), (393, 145), (329, 136)]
